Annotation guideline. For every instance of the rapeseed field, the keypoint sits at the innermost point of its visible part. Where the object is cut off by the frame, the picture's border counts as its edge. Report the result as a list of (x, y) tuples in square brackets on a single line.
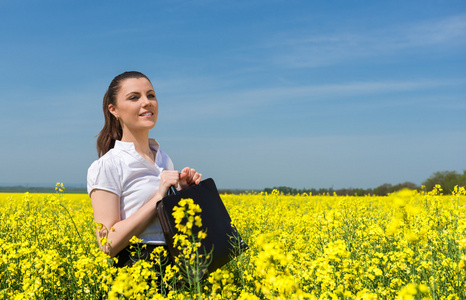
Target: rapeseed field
[(408, 245)]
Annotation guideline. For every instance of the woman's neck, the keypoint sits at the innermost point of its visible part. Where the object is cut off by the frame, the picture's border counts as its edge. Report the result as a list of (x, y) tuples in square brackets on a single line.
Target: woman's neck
[(140, 142)]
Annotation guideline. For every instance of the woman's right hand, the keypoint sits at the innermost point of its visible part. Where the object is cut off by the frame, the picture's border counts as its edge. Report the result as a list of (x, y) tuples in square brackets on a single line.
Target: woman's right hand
[(167, 179)]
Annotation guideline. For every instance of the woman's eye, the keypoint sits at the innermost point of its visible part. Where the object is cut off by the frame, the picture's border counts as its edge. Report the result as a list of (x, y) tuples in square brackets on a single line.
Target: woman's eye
[(151, 96), (133, 98)]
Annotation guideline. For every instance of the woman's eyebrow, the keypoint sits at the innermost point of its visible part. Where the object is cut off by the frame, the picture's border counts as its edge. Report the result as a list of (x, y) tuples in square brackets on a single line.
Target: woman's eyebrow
[(137, 93)]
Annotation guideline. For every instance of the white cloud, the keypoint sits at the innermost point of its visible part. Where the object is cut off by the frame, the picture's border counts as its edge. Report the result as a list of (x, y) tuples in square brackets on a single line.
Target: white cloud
[(229, 103), (450, 31), (291, 51)]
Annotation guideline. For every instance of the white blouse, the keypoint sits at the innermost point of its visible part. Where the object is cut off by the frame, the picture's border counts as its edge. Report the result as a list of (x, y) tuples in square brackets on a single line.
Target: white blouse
[(124, 172)]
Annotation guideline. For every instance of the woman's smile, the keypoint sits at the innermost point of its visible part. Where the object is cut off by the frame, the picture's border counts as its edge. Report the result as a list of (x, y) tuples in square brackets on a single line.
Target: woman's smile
[(147, 114)]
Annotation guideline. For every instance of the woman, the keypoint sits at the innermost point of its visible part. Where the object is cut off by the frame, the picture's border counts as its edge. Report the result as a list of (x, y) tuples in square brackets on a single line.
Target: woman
[(132, 174)]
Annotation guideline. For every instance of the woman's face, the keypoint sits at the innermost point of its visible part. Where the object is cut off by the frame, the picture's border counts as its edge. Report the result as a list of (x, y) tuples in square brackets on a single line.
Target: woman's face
[(136, 105)]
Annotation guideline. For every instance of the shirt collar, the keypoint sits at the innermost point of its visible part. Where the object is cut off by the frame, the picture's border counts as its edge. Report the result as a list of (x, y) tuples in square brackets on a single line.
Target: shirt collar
[(154, 145), (129, 146)]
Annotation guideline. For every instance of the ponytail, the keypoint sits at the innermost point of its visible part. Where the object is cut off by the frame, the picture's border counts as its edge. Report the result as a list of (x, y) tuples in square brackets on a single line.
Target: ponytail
[(112, 130)]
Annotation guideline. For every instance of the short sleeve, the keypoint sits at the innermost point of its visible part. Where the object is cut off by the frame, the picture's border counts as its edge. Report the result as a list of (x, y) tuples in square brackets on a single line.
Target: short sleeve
[(104, 174)]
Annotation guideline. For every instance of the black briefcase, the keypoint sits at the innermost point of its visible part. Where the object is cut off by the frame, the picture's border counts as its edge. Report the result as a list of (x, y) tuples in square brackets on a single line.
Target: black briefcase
[(223, 241)]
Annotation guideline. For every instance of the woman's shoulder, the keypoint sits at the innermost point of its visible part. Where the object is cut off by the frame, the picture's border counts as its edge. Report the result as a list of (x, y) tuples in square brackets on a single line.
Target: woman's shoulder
[(161, 159), (163, 154), (105, 174), (108, 161)]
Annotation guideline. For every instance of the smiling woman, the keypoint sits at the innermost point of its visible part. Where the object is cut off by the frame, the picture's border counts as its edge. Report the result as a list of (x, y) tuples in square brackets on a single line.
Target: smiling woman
[(132, 173), (135, 82), (136, 108)]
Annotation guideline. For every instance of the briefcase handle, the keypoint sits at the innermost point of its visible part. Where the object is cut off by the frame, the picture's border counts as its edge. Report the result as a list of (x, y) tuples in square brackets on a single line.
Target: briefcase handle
[(172, 191)]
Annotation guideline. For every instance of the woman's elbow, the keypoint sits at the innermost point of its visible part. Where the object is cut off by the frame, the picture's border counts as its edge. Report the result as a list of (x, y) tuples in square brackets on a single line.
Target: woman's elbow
[(106, 249), (102, 240)]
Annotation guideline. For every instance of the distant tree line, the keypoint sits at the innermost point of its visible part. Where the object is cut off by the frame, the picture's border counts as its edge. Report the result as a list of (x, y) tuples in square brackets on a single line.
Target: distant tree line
[(45, 190), (447, 179)]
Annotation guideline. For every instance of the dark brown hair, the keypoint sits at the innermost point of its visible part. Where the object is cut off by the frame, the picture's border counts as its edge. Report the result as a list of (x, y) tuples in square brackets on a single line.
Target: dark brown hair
[(112, 130)]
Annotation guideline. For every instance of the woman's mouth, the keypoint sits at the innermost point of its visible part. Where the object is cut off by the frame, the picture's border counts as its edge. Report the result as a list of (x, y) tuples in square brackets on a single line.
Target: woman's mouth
[(146, 114)]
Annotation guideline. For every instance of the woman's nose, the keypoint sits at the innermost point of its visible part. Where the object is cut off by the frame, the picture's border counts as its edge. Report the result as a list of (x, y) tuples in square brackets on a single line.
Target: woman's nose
[(146, 101)]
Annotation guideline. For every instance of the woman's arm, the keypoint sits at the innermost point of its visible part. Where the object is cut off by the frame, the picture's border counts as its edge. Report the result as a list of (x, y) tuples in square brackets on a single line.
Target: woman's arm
[(106, 206)]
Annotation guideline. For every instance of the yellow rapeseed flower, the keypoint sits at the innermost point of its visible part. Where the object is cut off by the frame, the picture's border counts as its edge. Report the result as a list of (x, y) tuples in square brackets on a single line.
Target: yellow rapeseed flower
[(404, 245)]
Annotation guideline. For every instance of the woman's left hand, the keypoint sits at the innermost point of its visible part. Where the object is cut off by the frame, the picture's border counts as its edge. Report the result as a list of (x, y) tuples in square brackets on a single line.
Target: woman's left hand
[(189, 177)]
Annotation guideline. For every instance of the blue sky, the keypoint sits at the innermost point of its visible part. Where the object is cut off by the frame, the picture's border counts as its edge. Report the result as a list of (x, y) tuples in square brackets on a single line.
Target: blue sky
[(254, 94)]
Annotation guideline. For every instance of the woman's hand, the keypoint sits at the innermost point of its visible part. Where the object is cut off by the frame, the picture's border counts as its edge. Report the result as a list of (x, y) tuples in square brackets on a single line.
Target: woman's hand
[(189, 177), (167, 179)]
